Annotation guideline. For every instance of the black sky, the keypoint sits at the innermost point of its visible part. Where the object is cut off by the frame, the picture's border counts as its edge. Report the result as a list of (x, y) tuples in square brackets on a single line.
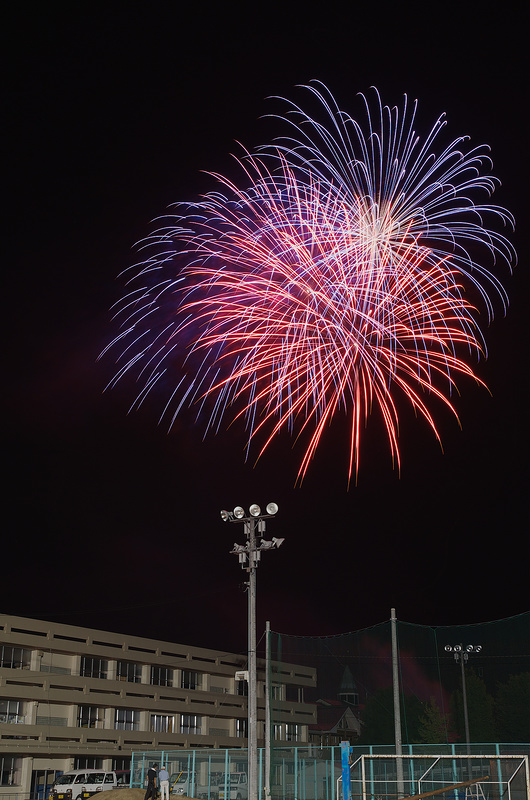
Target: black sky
[(113, 110)]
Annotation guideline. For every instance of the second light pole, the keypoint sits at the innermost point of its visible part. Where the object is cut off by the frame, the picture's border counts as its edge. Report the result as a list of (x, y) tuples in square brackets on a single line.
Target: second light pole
[(249, 556), (461, 655)]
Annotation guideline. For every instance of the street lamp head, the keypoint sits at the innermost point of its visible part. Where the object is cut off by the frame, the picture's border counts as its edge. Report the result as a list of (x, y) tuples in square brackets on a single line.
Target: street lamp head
[(226, 515), (448, 648), (478, 648), (255, 510), (272, 508), (239, 512), (457, 648)]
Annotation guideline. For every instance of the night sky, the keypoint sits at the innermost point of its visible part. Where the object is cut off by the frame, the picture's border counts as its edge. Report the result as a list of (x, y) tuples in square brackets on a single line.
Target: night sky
[(113, 111)]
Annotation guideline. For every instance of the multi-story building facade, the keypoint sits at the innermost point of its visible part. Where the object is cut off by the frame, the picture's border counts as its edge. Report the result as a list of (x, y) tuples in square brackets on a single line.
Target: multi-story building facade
[(76, 697)]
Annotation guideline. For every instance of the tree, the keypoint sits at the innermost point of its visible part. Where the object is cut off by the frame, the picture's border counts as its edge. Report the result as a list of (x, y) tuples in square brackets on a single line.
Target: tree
[(480, 708), (378, 718), (512, 709), (433, 724)]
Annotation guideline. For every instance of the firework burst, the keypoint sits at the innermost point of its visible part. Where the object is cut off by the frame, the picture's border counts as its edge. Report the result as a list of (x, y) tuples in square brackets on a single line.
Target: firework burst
[(333, 282)]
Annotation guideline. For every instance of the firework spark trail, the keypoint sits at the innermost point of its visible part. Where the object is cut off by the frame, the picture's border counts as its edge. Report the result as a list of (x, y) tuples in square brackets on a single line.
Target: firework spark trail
[(333, 282)]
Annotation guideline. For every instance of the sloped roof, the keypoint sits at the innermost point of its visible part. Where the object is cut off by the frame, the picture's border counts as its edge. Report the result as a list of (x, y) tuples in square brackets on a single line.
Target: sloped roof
[(332, 715)]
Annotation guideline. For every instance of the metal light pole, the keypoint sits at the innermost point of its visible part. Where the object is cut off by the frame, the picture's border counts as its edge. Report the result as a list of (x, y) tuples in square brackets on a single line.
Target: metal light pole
[(461, 655), (249, 556)]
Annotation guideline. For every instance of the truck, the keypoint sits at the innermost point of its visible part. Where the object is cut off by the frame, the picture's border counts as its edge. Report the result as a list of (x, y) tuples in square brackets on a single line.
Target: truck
[(236, 787)]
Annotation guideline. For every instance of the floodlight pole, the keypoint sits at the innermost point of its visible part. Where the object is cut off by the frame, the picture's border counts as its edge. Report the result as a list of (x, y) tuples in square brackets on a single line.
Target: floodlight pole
[(461, 655), (249, 557), (459, 658), (252, 677)]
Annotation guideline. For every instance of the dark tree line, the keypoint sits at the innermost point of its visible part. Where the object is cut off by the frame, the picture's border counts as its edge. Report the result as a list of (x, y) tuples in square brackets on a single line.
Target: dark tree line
[(502, 717)]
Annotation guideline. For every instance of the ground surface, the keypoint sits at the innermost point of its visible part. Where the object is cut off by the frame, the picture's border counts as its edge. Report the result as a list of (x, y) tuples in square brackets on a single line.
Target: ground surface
[(133, 794)]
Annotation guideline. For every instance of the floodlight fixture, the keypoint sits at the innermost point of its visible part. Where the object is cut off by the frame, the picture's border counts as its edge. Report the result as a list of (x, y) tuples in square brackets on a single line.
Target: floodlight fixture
[(226, 515), (255, 510), (239, 512), (266, 545), (277, 542), (272, 508)]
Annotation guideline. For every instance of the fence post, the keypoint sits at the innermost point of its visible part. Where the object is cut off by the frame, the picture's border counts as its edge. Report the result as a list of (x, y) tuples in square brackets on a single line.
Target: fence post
[(345, 751)]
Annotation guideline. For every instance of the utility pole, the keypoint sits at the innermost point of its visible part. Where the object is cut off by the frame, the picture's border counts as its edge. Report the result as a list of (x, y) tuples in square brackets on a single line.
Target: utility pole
[(268, 711), (397, 710)]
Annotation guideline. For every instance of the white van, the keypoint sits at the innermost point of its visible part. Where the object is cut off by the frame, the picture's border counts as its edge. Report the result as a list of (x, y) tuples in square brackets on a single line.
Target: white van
[(182, 782), (82, 781)]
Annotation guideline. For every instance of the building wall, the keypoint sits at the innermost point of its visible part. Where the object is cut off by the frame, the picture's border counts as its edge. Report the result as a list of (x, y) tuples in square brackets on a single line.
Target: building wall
[(74, 696)]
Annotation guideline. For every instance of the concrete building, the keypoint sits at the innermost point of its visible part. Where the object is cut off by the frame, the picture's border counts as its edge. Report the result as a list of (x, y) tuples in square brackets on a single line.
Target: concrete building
[(75, 697)]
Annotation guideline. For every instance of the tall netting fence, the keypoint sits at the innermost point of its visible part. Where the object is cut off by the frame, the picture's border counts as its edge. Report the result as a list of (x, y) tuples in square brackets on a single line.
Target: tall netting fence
[(353, 692), (326, 690)]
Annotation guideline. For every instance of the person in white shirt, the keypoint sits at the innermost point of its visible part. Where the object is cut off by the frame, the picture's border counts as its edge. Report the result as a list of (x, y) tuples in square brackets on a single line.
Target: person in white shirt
[(163, 782)]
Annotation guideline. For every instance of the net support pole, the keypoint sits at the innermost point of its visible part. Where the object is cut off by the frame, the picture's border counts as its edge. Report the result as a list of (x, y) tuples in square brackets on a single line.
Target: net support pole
[(397, 712), (267, 710)]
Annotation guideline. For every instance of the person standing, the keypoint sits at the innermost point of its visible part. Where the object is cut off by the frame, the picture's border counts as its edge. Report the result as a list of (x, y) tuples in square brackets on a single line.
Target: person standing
[(151, 782), (163, 782)]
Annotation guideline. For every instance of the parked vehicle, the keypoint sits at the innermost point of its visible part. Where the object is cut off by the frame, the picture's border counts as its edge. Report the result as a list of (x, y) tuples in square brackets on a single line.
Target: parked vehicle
[(237, 787), (187, 783), (85, 782), (123, 776), (180, 782)]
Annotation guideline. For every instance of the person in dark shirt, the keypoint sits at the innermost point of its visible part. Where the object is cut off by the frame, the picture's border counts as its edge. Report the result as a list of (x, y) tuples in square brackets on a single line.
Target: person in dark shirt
[(151, 782)]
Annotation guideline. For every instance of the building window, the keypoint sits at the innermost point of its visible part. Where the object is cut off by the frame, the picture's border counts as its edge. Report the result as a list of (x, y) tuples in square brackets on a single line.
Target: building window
[(293, 733), (294, 694), (277, 732), (276, 691), (242, 728), (14, 657), (190, 723), (190, 679), (88, 763), (128, 671), (162, 723), (127, 720), (93, 667), (90, 717), (242, 688), (161, 676), (121, 764), (11, 711), (10, 770)]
